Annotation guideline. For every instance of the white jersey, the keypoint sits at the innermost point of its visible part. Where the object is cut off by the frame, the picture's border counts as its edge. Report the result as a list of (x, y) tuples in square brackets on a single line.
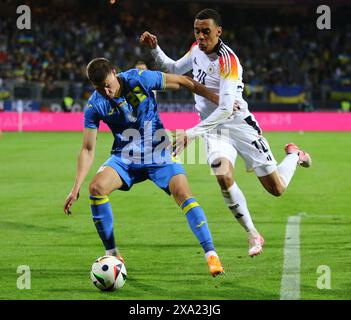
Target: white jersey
[(221, 72), (240, 133)]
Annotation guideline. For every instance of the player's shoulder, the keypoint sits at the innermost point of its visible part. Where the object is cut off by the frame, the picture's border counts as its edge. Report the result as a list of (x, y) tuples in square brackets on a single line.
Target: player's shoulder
[(228, 60), (135, 75), (129, 74), (224, 50), (96, 100), (194, 47), (93, 99)]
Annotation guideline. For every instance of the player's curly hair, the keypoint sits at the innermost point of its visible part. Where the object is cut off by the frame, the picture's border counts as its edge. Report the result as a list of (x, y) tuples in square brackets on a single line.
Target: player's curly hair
[(210, 14), (98, 69)]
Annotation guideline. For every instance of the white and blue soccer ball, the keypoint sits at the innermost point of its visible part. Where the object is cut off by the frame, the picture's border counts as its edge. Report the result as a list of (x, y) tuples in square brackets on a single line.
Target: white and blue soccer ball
[(108, 273)]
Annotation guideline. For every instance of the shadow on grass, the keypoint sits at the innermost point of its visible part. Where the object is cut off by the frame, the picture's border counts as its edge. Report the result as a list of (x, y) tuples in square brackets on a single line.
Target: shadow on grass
[(9, 225)]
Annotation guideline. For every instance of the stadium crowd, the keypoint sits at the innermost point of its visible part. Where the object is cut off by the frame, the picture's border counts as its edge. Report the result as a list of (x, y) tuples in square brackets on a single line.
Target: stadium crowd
[(274, 48)]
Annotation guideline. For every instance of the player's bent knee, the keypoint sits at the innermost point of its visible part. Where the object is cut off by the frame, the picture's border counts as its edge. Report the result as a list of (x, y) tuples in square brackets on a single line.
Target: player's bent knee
[(225, 181), (179, 188), (96, 189), (180, 198), (223, 171), (180, 195)]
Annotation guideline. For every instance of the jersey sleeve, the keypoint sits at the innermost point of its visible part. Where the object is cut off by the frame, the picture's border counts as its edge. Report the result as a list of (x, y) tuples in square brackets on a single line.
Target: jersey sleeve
[(228, 74), (152, 80), (91, 117), (229, 78), (181, 66)]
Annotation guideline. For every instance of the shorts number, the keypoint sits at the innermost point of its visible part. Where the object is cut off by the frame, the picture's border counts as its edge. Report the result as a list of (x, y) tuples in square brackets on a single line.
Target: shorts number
[(261, 146)]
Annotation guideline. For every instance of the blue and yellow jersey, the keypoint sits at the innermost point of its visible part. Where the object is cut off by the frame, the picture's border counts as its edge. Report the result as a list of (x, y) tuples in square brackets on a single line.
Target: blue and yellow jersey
[(136, 108)]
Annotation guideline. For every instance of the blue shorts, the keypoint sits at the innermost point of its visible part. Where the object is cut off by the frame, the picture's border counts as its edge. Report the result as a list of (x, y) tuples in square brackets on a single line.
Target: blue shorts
[(132, 173)]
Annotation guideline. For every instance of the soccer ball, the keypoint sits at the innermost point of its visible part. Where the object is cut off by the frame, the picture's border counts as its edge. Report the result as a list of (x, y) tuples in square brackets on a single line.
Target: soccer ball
[(108, 273)]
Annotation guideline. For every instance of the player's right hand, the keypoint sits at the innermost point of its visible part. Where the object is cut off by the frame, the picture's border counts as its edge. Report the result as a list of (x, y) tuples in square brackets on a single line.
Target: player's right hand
[(148, 40), (180, 142), (72, 197), (236, 106)]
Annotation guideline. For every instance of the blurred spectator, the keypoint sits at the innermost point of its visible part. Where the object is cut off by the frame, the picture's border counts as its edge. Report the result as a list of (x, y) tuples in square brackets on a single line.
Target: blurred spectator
[(345, 106), (67, 104), (283, 48), (141, 65)]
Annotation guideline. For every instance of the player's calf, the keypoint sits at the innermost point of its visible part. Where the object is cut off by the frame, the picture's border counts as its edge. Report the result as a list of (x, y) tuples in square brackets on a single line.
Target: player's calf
[(103, 220), (273, 183), (196, 219)]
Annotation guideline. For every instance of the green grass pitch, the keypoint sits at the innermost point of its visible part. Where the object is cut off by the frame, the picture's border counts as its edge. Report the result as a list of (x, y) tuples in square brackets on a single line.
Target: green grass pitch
[(163, 258)]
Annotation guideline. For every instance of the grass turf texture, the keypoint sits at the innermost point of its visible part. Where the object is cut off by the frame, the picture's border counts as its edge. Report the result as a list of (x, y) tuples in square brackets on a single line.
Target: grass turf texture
[(163, 258)]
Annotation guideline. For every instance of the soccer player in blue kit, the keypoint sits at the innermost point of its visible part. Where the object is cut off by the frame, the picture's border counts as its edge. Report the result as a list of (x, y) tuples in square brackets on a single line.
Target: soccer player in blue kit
[(126, 103)]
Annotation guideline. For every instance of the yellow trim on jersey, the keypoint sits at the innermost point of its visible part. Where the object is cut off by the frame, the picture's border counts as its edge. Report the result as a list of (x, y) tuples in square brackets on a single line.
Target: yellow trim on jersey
[(163, 81), (190, 206)]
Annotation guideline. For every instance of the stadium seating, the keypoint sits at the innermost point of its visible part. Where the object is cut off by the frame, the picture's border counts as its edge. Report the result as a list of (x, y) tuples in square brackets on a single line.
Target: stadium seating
[(284, 49)]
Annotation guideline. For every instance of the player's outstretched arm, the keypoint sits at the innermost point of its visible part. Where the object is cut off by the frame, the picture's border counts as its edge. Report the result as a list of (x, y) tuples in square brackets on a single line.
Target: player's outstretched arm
[(165, 63), (84, 163), (226, 107), (222, 113), (175, 82)]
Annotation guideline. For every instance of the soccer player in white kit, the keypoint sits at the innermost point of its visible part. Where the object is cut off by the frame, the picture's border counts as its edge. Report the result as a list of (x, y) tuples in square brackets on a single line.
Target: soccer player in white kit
[(226, 134)]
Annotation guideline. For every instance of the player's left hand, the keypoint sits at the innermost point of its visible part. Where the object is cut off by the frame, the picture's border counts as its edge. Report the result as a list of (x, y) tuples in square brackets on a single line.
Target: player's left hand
[(148, 40), (180, 141), (72, 197)]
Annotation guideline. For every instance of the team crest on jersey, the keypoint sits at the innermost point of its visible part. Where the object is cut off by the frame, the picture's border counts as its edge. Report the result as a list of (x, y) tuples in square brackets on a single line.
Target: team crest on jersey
[(210, 69)]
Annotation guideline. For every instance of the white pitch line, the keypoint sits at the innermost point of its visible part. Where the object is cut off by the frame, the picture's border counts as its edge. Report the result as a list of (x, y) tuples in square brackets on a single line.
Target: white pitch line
[(290, 285)]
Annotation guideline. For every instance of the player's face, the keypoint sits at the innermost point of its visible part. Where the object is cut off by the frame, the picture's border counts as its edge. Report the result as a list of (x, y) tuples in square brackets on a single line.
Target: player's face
[(110, 87), (206, 34)]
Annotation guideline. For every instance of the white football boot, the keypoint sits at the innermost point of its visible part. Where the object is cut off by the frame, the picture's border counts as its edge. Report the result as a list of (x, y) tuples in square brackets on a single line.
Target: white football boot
[(255, 244)]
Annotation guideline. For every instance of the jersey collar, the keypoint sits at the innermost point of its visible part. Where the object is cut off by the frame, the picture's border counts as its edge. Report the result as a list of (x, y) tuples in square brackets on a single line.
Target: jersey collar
[(121, 85)]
